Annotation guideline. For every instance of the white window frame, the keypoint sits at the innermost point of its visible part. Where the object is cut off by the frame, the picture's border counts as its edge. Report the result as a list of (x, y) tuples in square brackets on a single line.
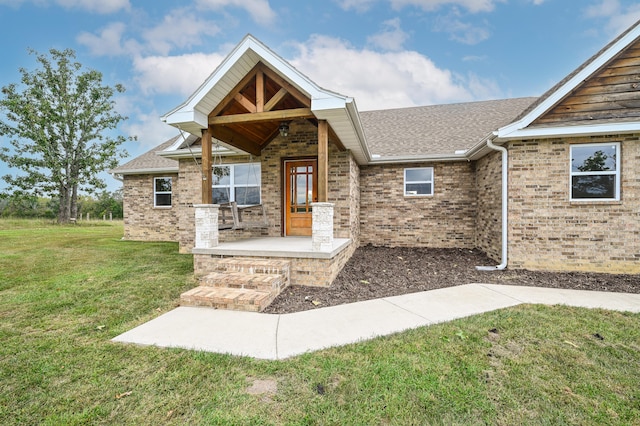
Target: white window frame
[(406, 194), (156, 193), (615, 173), (257, 168)]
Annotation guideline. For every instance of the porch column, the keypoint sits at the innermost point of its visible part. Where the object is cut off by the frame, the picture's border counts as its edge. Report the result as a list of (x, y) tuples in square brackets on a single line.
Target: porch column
[(207, 159), (323, 161), (206, 225), (322, 227)]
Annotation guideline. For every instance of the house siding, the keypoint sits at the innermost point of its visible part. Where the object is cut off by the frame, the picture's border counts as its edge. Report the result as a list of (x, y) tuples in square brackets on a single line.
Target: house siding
[(610, 95), (143, 221), (488, 232), (446, 219), (549, 232)]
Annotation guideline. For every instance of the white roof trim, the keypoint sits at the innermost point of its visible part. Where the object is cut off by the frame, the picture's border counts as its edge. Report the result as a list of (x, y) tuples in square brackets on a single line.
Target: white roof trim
[(571, 84), (197, 152), (146, 171), (593, 129)]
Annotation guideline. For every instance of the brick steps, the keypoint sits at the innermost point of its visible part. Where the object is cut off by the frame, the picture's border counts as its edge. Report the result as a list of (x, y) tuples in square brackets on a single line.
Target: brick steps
[(235, 299), (242, 284), (244, 280)]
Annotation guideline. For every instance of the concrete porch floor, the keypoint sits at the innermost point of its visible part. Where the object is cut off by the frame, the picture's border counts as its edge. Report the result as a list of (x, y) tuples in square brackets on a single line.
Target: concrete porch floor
[(294, 247)]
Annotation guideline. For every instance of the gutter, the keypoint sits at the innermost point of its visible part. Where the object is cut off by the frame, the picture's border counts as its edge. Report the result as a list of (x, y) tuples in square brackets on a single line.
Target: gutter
[(416, 159), (505, 199)]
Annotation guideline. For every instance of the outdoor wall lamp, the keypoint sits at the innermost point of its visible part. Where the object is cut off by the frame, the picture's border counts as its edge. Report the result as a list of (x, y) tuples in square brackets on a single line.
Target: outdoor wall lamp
[(284, 129)]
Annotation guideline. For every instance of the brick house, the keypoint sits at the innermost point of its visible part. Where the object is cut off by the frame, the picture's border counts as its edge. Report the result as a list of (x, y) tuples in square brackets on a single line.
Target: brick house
[(273, 174)]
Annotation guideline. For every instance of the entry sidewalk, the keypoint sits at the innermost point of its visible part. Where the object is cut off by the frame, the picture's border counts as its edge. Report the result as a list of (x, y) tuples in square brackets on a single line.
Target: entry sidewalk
[(270, 336)]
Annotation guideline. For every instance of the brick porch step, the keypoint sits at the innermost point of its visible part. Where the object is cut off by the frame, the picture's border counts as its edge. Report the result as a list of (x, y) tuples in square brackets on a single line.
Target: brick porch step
[(227, 298), (243, 284), (254, 266), (249, 281)]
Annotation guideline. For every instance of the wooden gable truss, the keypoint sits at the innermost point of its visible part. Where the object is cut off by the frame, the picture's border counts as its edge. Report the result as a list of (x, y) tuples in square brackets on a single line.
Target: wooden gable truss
[(249, 117)]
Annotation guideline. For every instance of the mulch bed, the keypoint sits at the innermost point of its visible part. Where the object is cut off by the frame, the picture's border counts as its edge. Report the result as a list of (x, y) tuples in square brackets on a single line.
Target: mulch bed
[(375, 272)]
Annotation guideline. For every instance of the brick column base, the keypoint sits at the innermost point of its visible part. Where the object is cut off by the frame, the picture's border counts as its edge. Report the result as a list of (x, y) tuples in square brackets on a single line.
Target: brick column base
[(322, 227), (206, 225)]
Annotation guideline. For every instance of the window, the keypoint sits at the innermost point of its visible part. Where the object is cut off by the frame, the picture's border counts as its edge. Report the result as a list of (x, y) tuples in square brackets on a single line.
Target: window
[(595, 172), (418, 181), (162, 192), (237, 182)]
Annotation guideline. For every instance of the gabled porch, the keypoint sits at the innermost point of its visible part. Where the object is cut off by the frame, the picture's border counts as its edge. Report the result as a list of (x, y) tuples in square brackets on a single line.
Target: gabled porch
[(308, 142)]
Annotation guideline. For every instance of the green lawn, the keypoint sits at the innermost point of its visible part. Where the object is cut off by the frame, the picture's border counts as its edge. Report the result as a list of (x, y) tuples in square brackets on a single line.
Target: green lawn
[(65, 291)]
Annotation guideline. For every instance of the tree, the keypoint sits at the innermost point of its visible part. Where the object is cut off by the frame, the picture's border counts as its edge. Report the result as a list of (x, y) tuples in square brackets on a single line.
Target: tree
[(57, 121)]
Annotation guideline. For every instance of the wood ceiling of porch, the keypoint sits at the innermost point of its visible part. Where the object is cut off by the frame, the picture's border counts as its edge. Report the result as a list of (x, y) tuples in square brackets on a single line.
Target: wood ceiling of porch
[(249, 117)]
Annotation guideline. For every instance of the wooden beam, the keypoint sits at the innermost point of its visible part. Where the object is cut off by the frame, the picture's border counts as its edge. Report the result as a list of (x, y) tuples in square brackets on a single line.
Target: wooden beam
[(259, 91), (323, 161), (286, 114), (275, 99), (231, 95), (233, 139), (301, 97), (207, 160), (246, 103)]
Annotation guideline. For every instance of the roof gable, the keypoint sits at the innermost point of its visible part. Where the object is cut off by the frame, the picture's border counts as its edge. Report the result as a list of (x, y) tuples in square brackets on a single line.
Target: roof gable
[(340, 111), (589, 100)]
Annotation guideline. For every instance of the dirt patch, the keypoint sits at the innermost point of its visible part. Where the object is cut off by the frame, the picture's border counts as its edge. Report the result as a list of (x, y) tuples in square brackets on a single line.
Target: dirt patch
[(264, 388), (375, 272)]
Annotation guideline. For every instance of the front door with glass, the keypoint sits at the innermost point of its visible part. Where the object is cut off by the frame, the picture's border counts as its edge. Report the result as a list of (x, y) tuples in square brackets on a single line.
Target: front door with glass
[(301, 189)]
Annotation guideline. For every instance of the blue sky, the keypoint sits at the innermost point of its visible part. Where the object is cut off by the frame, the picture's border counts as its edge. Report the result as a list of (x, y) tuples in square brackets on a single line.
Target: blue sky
[(384, 53)]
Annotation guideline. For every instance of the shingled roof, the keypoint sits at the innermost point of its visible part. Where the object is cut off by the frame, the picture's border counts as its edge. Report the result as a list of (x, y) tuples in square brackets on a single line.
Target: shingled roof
[(417, 132), (150, 161), (437, 130)]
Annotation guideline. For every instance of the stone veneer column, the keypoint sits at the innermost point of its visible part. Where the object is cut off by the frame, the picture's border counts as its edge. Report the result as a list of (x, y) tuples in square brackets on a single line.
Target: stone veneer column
[(322, 227), (206, 225)]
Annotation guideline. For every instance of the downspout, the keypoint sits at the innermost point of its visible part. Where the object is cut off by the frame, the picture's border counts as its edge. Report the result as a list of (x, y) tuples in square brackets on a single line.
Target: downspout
[(505, 198)]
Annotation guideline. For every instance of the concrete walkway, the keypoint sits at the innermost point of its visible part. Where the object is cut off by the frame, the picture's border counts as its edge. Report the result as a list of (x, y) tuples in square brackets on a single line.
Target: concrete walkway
[(269, 336)]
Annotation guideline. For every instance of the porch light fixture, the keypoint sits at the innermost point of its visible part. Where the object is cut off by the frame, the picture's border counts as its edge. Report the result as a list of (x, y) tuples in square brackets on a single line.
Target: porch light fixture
[(284, 129)]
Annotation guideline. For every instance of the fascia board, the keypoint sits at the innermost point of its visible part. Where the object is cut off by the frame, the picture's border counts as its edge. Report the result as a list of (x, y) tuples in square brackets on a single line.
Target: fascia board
[(187, 116), (593, 129), (417, 159), (146, 171), (570, 85), (197, 152)]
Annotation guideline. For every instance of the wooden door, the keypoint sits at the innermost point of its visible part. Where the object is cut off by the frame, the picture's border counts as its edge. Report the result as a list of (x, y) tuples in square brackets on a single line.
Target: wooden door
[(301, 188)]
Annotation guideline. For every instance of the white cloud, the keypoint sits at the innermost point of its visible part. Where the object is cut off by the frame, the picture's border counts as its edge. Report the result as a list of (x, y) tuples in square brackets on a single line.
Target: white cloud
[(174, 74), (391, 37), (259, 10), (109, 41), (378, 80), (148, 129), (178, 29), (619, 17), (473, 6), (95, 6), (98, 6), (358, 5), (461, 31)]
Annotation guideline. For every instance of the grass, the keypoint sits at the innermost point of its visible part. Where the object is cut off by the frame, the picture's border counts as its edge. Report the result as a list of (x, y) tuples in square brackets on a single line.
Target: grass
[(66, 291)]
